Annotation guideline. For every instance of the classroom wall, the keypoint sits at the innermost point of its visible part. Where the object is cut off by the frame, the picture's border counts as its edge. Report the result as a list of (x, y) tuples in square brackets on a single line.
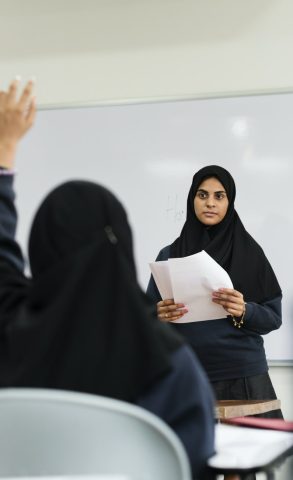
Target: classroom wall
[(101, 50), (95, 51)]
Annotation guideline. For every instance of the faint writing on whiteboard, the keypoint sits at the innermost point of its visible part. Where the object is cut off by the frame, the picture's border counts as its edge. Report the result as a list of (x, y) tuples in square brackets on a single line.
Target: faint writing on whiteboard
[(173, 211)]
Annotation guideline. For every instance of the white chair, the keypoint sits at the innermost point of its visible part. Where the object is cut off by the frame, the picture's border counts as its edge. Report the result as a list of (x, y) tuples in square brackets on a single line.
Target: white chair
[(55, 433)]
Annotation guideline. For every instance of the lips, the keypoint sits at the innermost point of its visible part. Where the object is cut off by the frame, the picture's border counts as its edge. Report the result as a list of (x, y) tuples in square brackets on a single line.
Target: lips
[(210, 214)]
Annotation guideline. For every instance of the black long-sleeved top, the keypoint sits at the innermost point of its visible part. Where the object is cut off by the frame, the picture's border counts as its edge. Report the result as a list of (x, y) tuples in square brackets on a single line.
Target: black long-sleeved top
[(227, 352)]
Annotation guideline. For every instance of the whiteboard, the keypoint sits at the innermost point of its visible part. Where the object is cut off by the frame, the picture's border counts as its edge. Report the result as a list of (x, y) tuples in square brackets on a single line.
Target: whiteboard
[(148, 153)]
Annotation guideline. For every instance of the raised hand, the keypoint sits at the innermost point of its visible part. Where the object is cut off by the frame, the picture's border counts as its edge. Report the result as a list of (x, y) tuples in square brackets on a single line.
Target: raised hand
[(17, 114)]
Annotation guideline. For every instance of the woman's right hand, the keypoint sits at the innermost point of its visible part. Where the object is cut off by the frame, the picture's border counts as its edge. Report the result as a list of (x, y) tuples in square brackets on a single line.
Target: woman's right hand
[(168, 311)]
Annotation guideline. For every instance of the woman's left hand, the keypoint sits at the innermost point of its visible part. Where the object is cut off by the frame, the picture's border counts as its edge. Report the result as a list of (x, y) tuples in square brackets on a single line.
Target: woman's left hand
[(231, 300)]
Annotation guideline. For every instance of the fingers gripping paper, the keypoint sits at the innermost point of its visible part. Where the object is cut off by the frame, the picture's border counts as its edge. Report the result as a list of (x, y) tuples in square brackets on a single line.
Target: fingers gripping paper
[(191, 280)]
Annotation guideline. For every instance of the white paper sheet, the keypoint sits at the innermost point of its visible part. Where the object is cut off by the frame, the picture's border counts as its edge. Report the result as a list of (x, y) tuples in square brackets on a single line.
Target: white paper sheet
[(191, 280), (243, 447), (161, 274)]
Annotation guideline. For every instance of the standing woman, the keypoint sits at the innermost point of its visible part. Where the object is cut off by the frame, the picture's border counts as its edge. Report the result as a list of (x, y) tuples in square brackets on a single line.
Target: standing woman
[(230, 349)]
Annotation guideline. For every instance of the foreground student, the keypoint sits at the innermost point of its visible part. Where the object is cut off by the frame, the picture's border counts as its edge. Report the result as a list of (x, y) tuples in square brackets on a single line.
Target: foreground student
[(231, 348), (81, 322)]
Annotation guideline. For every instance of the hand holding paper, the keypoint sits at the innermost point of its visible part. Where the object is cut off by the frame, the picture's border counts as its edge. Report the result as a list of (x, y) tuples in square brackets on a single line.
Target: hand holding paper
[(191, 280)]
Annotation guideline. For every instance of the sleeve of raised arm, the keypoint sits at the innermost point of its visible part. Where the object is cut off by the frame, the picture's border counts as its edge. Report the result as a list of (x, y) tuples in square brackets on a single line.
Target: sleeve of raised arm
[(13, 283), (10, 252)]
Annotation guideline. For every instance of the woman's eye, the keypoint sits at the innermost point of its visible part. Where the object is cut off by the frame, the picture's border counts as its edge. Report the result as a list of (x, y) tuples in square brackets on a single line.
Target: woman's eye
[(219, 196), (202, 195)]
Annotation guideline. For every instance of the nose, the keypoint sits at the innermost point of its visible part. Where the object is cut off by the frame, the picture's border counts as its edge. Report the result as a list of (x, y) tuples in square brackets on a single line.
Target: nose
[(210, 201)]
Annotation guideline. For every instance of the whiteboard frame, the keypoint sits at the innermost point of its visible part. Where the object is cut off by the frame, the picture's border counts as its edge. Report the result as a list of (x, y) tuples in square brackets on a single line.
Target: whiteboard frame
[(172, 99), (164, 99)]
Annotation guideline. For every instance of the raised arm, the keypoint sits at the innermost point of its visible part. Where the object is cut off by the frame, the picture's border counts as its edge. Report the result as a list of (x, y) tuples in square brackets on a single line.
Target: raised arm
[(17, 114)]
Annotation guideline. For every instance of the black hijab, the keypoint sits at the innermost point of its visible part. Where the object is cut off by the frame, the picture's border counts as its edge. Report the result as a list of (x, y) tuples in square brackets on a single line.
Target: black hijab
[(228, 243), (86, 325)]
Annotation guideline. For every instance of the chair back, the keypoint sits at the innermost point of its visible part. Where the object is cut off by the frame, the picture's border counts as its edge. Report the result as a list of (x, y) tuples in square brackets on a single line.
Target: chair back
[(53, 433)]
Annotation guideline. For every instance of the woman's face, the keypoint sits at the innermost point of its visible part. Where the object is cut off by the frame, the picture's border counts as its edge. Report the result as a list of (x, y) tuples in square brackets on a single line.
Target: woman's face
[(210, 202)]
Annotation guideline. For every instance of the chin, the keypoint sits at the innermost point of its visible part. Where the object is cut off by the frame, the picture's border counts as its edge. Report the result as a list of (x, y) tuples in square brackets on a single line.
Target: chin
[(209, 223)]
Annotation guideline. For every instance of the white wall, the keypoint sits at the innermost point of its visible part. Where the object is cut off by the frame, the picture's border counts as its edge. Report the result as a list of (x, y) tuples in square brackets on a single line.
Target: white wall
[(96, 50), (282, 378), (92, 51)]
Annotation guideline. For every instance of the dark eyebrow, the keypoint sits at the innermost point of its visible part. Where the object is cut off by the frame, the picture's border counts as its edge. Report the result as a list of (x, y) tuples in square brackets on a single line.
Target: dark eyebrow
[(205, 191)]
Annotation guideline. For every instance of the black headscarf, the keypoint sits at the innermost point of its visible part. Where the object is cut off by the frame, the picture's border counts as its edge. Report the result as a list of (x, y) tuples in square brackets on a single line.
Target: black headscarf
[(86, 324), (228, 243)]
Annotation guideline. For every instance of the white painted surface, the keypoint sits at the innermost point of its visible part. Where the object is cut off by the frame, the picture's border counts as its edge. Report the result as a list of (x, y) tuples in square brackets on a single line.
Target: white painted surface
[(148, 153), (94, 50)]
